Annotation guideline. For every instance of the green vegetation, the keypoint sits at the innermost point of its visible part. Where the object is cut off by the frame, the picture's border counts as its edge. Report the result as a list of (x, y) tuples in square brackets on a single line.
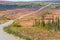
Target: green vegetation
[(27, 5), (3, 21), (14, 32), (12, 29), (14, 6), (16, 24), (33, 33), (52, 24)]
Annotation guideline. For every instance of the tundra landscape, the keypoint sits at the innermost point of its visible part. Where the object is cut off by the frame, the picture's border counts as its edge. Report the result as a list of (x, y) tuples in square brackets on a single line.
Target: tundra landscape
[(41, 23)]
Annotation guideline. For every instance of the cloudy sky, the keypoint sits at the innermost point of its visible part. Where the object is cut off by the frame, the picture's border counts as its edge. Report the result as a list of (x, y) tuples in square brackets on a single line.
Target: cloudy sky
[(29, 0)]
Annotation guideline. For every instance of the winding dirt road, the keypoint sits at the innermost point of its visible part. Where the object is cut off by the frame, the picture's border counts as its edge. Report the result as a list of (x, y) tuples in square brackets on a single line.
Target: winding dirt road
[(4, 35)]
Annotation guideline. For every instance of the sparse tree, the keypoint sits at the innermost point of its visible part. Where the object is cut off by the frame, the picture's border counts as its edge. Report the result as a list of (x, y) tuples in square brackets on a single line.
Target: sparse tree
[(58, 23), (43, 22), (48, 25)]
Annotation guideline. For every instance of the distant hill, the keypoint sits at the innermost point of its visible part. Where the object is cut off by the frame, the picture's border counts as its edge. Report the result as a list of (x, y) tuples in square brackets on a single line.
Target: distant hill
[(14, 5), (4, 5)]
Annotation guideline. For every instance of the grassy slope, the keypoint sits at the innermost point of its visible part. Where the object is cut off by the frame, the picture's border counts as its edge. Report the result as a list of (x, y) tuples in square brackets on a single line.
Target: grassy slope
[(13, 30), (33, 33)]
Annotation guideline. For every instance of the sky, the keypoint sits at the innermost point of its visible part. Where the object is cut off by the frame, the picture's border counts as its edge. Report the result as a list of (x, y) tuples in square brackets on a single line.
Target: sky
[(29, 0)]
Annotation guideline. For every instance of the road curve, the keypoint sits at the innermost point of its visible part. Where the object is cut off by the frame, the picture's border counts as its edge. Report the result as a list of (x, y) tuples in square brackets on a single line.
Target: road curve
[(4, 35)]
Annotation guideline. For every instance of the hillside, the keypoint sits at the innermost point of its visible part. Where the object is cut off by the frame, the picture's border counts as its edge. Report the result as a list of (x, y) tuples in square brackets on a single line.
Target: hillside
[(15, 5)]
